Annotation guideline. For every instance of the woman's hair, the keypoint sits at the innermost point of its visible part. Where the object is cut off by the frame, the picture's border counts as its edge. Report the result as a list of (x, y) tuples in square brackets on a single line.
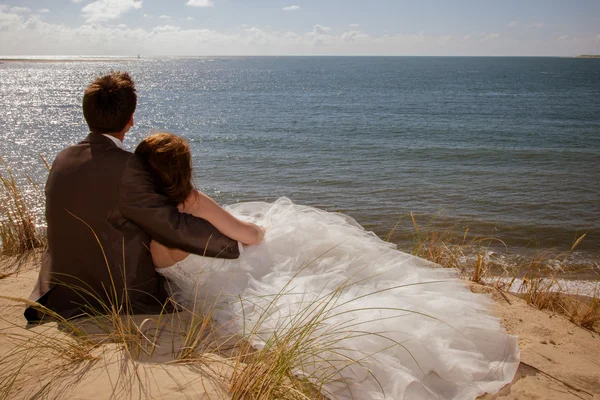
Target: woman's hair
[(168, 157), (109, 102)]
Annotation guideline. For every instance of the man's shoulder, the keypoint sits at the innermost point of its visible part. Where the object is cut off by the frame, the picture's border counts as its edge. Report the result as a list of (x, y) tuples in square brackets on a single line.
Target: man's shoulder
[(84, 147), (82, 158), (118, 152), (68, 153)]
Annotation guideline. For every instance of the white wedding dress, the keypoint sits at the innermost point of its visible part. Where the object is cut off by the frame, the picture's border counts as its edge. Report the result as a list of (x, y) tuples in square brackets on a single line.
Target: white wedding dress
[(383, 324)]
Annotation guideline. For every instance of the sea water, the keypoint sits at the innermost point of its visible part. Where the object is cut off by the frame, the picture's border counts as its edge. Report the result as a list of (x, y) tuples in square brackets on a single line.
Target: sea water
[(504, 147)]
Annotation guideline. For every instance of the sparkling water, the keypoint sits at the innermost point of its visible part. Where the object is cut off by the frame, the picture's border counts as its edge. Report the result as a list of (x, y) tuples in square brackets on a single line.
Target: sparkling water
[(507, 147)]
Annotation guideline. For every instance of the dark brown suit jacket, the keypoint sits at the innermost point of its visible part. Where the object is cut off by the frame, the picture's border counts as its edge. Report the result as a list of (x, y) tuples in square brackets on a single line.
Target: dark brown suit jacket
[(102, 208)]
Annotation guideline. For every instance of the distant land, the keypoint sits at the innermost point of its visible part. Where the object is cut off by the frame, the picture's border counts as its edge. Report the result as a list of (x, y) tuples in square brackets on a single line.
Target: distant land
[(588, 56), (50, 59)]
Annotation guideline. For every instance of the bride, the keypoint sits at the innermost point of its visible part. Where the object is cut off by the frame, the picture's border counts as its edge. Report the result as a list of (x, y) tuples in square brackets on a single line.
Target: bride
[(371, 322)]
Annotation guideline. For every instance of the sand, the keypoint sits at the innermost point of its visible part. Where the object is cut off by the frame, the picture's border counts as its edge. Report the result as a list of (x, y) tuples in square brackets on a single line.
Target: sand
[(560, 361), (114, 374)]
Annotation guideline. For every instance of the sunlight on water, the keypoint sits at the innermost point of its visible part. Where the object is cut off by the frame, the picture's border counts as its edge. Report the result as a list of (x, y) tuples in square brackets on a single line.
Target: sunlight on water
[(490, 144)]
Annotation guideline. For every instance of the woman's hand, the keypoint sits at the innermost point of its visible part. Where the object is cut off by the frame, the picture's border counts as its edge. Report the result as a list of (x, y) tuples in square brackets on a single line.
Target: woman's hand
[(261, 234)]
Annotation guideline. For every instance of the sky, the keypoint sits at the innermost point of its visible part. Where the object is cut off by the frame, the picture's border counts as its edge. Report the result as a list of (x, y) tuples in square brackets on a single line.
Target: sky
[(300, 27)]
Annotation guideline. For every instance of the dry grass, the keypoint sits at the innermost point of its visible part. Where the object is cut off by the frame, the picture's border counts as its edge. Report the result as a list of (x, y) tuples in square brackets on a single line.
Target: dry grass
[(45, 358), (20, 239), (54, 360), (543, 288), (586, 313), (293, 361), (271, 372), (63, 357), (465, 253), (533, 279)]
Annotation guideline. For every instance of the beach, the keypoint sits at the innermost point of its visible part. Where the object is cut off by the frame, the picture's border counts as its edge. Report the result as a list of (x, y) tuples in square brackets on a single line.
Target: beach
[(416, 183), (559, 360), (453, 159)]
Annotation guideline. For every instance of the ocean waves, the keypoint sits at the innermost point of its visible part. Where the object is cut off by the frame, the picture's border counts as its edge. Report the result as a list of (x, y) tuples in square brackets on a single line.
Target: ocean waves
[(488, 144)]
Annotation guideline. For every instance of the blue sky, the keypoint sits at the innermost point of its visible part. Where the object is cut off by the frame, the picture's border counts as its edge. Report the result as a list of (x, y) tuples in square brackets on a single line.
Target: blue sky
[(299, 27)]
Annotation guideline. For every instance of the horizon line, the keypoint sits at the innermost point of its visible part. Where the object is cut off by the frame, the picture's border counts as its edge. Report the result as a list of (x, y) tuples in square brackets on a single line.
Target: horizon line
[(133, 56)]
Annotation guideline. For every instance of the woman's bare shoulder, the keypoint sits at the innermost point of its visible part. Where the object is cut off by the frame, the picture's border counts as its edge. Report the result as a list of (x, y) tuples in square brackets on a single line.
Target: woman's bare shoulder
[(194, 203)]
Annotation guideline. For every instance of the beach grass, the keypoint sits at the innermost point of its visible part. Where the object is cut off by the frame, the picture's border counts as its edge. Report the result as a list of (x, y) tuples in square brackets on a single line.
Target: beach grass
[(535, 278), (45, 358), (63, 356), (293, 360), (278, 368), (20, 238), (51, 360)]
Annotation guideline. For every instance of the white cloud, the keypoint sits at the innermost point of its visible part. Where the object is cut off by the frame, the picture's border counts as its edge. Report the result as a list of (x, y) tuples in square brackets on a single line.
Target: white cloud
[(536, 25), (19, 10), (165, 28), (76, 1), (105, 10), (188, 19), (23, 34), (490, 36), (512, 24), (9, 20), (321, 30), (164, 17), (482, 36), (354, 25), (147, 15), (563, 37), (291, 8), (354, 36), (43, 10), (200, 3)]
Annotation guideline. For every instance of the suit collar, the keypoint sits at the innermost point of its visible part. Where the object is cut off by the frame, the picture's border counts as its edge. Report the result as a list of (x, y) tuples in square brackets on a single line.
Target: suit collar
[(116, 141), (98, 138)]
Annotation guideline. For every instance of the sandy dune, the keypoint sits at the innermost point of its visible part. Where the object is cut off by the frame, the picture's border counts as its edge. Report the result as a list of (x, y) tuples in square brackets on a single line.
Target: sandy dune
[(560, 361)]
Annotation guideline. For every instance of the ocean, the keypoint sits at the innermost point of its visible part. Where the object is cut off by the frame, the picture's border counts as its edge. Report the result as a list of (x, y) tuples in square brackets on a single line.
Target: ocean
[(507, 148)]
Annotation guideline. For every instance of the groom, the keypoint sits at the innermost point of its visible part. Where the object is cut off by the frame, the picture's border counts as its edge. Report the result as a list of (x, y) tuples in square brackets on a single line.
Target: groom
[(102, 209)]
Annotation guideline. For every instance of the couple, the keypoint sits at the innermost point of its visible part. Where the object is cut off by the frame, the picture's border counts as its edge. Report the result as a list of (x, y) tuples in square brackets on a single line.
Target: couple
[(381, 324)]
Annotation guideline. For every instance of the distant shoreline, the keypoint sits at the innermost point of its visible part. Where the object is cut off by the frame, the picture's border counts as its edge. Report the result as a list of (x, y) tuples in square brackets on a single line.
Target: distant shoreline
[(51, 60), (26, 59)]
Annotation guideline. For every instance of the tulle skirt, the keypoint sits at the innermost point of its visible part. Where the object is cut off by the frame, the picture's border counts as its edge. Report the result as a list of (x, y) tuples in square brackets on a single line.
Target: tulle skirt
[(368, 321)]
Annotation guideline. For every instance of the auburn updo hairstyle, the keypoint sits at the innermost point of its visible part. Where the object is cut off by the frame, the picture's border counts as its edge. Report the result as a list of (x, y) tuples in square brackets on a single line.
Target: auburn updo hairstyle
[(169, 160)]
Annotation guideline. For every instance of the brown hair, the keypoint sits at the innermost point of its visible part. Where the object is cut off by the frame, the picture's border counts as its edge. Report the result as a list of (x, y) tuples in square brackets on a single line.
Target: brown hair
[(170, 162), (109, 102)]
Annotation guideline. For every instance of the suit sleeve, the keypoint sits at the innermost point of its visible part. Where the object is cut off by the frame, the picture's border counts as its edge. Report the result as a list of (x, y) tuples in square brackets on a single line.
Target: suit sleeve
[(140, 203)]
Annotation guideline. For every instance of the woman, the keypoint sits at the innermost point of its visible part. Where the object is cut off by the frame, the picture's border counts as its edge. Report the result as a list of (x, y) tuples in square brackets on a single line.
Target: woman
[(372, 322)]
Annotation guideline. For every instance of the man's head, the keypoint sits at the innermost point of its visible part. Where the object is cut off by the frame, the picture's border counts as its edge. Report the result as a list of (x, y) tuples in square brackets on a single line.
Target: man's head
[(109, 103)]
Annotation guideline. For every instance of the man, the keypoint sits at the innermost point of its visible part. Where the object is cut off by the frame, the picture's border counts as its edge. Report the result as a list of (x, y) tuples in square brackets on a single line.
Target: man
[(102, 208)]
